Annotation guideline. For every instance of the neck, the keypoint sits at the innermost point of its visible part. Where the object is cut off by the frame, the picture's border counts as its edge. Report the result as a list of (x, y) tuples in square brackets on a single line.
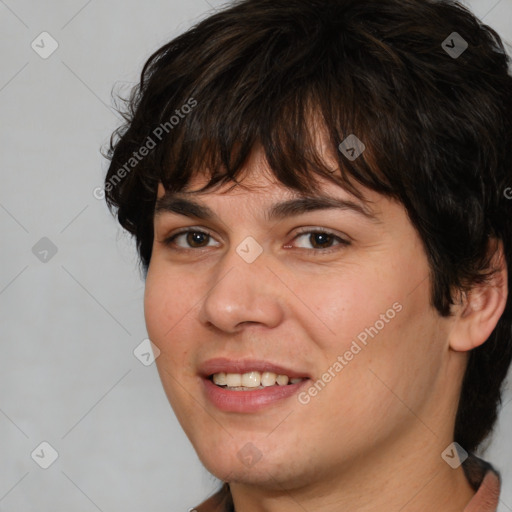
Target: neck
[(409, 480)]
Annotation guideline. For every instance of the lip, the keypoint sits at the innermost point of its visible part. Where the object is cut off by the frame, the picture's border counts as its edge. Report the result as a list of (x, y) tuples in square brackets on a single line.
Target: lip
[(248, 401), (222, 364)]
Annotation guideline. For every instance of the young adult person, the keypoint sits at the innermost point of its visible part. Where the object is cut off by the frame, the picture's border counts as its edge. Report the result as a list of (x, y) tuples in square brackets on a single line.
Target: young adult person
[(318, 192)]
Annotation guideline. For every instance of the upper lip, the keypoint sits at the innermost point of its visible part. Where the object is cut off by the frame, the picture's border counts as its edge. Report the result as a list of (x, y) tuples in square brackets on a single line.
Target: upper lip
[(222, 364)]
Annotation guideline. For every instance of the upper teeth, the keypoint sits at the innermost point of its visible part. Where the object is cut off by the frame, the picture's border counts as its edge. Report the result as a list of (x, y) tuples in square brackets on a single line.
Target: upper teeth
[(252, 379)]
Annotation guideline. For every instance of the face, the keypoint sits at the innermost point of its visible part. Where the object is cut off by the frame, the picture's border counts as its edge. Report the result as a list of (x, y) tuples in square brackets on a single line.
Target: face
[(330, 296)]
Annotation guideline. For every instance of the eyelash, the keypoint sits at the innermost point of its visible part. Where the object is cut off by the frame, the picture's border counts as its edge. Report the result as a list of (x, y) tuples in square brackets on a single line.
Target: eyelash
[(169, 241)]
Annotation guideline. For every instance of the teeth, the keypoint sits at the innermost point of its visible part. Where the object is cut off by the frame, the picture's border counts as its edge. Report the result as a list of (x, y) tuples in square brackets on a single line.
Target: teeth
[(233, 380), (220, 379), (282, 380), (268, 379), (252, 379)]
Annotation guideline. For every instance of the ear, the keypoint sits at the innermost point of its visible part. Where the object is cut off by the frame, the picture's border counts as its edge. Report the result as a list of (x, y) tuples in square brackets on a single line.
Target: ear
[(482, 306)]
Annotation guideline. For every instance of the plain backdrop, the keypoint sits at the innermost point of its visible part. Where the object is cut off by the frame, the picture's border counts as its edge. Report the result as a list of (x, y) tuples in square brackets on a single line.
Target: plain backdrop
[(70, 291)]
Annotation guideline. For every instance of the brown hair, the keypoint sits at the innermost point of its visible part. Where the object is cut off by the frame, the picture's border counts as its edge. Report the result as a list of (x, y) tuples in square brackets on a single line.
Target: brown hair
[(436, 126)]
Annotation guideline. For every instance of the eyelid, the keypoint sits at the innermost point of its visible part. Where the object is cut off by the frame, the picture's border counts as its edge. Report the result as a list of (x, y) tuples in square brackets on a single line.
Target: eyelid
[(343, 241), (167, 240)]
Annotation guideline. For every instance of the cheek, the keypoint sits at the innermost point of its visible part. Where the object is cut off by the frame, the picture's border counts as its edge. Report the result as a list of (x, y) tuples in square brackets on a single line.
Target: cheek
[(369, 299), (170, 307), (378, 320), (400, 356), (350, 302), (156, 309), (166, 303)]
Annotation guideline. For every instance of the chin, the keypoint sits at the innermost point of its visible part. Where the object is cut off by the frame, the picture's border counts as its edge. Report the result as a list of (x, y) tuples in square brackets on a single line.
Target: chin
[(242, 462)]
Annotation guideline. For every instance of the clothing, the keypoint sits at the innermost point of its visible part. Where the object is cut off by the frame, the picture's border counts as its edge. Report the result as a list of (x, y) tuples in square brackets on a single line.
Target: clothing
[(486, 481), (481, 475)]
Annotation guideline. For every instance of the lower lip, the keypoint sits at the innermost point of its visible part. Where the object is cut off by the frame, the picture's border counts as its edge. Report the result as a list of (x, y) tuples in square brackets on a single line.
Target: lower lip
[(249, 401)]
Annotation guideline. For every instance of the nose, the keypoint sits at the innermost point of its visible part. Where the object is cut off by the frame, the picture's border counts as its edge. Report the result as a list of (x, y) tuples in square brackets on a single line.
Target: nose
[(240, 292)]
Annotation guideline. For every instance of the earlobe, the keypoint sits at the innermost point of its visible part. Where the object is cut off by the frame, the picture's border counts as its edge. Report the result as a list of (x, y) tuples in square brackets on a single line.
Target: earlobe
[(482, 308)]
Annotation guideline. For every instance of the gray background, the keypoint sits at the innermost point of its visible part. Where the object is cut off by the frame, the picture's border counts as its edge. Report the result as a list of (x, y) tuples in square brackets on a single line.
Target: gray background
[(71, 320)]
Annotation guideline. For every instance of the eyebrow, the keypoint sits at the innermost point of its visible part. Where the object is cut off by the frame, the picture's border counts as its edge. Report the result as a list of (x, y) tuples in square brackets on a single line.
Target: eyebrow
[(175, 203)]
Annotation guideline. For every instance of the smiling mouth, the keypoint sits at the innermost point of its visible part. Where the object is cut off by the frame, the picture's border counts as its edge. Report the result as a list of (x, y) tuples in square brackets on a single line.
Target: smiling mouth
[(251, 381)]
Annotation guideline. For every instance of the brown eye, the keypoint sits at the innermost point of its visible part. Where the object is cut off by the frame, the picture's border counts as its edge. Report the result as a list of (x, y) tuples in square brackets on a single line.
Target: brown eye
[(321, 241), (193, 239), (196, 238)]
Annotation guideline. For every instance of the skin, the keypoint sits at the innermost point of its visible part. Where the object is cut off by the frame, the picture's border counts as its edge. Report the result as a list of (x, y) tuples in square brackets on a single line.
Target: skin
[(372, 438)]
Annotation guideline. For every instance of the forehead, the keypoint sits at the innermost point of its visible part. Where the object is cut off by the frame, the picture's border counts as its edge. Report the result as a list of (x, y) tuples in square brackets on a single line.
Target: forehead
[(256, 178), (267, 198), (259, 190)]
